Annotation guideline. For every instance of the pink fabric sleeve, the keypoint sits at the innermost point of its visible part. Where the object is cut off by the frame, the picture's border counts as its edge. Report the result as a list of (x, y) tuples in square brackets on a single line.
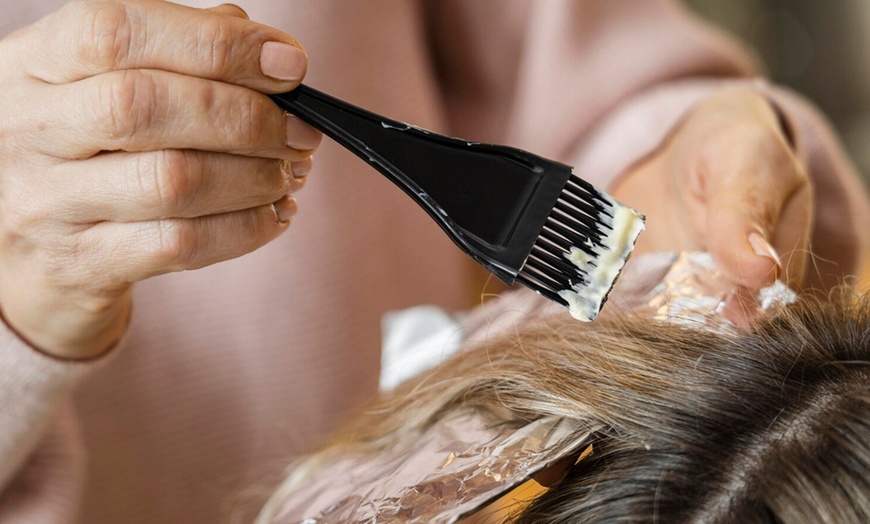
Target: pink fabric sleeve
[(48, 488), (543, 76), (40, 459)]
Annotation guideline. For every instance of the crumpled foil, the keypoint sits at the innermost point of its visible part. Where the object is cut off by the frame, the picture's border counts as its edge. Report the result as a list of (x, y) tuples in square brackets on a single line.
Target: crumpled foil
[(465, 461), (695, 291), (471, 457)]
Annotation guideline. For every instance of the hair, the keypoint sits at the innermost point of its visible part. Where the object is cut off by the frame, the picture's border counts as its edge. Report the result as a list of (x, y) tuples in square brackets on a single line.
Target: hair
[(765, 425)]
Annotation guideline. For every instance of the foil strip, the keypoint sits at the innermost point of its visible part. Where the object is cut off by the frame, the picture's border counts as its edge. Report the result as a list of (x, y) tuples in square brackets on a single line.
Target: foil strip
[(694, 291), (457, 466)]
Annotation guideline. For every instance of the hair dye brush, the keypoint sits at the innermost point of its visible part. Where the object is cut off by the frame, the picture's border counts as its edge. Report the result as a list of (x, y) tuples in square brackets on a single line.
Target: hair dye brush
[(524, 218)]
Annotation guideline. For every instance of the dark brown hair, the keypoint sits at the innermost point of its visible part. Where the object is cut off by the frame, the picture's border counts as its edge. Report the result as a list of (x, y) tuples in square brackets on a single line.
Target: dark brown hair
[(770, 424)]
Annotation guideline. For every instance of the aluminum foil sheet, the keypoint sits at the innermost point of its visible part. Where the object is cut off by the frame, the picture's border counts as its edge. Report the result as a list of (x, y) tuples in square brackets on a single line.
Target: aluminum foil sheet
[(695, 291), (462, 463)]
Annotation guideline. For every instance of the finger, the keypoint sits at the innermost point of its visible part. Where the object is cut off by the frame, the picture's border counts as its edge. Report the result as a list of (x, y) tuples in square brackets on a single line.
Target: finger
[(738, 241), (230, 10), (301, 168), (741, 307), (144, 249), (299, 171), (91, 37), (152, 110), (296, 182), (132, 187), (791, 237), (747, 191)]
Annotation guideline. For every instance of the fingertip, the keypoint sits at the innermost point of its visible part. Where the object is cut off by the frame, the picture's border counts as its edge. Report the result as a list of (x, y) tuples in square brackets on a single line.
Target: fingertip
[(300, 136), (297, 184), (282, 58), (767, 262), (750, 262), (737, 238), (285, 208), (762, 248), (283, 62), (301, 168), (299, 173), (757, 272)]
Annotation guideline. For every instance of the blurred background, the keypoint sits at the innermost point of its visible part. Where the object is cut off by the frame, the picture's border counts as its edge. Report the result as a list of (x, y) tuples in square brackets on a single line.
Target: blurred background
[(820, 48)]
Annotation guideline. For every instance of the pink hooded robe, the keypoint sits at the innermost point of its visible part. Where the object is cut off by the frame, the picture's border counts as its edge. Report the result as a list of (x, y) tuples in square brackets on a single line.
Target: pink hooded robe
[(230, 371)]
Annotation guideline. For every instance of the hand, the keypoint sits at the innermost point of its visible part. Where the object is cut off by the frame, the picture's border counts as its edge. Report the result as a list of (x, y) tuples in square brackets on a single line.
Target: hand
[(135, 140), (727, 182)]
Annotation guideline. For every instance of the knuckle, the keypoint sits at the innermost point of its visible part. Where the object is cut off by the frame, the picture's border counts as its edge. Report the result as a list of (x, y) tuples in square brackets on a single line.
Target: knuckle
[(124, 104), (99, 301), (235, 10), (64, 264), (22, 210), (208, 97), (56, 258), (253, 226), (175, 244), (278, 179), (251, 112), (17, 227), (169, 179), (215, 45), (106, 33)]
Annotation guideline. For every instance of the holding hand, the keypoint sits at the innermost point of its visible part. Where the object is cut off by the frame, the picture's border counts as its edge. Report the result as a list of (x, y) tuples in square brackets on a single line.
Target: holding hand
[(727, 182), (135, 140)]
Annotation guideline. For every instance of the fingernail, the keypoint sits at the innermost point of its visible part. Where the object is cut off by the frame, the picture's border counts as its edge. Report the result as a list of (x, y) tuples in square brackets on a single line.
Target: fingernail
[(301, 169), (762, 248), (282, 61), (285, 208), (301, 136)]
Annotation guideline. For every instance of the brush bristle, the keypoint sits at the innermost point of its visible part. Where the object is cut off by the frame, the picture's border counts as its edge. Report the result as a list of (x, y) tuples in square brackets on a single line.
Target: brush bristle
[(579, 253)]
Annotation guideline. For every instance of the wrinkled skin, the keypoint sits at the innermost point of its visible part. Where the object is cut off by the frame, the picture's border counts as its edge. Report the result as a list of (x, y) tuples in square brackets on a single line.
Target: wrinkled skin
[(135, 140)]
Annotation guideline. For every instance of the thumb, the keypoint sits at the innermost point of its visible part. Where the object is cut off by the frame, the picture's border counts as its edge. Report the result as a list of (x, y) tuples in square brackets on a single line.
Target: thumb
[(758, 220), (738, 238)]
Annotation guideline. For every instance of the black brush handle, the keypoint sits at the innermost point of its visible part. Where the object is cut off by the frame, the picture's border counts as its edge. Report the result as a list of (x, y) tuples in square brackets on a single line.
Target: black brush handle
[(478, 193)]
